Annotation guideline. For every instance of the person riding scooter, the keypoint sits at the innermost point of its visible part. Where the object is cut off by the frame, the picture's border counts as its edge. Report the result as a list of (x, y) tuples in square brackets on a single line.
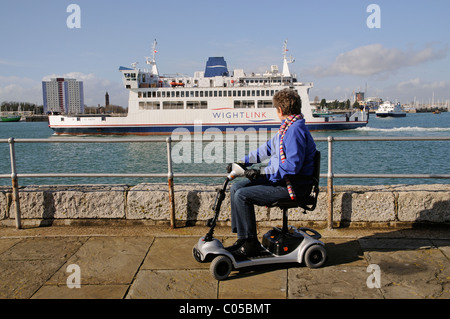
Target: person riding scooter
[(291, 152)]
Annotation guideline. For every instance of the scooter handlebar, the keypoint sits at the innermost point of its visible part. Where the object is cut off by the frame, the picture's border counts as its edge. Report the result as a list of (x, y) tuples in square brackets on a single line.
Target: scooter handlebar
[(236, 171)]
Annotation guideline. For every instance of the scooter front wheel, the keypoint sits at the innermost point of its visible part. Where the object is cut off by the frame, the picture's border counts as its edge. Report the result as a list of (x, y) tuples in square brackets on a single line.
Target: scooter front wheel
[(315, 256), (221, 267)]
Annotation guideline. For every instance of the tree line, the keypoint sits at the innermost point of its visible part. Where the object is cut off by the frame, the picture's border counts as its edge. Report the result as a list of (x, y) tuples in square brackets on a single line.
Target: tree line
[(338, 105), (10, 106)]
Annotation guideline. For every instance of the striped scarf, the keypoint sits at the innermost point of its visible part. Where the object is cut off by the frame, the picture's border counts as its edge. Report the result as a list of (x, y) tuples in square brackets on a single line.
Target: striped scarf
[(282, 131)]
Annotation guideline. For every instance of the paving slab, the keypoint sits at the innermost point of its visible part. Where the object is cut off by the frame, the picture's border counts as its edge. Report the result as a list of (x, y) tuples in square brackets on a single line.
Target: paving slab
[(84, 292), (172, 253), (333, 282), (107, 260), (264, 282), (28, 263), (20, 279), (173, 284), (406, 274)]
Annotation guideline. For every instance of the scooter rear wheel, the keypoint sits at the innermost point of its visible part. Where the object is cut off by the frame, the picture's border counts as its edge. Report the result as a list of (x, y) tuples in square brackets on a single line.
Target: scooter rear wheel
[(315, 256), (221, 267)]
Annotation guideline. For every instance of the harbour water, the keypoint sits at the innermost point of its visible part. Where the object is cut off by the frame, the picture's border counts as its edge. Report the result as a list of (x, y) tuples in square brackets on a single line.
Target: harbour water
[(371, 157)]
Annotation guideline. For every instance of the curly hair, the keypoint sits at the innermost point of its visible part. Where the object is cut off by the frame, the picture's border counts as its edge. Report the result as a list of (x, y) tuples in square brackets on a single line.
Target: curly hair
[(288, 101)]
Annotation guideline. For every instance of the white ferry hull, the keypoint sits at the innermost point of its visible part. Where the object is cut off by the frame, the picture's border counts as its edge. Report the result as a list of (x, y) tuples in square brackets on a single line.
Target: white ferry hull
[(223, 120), (157, 129)]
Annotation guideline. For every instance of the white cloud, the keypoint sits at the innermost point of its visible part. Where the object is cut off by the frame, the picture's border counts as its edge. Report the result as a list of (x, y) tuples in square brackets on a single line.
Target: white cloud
[(376, 59)]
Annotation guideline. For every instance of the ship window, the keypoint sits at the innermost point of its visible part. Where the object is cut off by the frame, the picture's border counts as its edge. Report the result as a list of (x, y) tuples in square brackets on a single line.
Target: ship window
[(201, 93), (196, 104), (234, 93), (215, 93), (220, 93), (149, 105), (139, 94), (173, 105), (243, 93), (265, 104), (241, 104), (248, 92)]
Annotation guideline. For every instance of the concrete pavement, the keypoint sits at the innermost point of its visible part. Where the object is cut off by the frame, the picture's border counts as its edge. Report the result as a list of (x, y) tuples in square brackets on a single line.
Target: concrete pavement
[(155, 262)]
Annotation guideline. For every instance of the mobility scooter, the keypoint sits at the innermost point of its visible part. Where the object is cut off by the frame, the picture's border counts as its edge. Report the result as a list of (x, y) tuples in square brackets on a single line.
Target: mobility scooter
[(285, 245)]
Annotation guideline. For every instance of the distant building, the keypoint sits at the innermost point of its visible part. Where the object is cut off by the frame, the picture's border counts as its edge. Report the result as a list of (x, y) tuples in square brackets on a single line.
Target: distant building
[(63, 95), (106, 99)]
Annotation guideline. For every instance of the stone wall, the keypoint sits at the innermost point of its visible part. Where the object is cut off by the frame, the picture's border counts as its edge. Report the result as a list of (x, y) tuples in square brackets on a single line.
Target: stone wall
[(358, 205)]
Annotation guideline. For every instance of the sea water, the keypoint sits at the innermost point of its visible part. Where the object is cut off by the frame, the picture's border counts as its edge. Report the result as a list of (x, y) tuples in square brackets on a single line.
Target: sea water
[(369, 157)]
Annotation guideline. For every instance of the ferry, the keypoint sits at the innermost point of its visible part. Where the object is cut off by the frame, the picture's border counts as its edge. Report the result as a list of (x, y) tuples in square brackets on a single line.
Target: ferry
[(389, 109), (213, 99)]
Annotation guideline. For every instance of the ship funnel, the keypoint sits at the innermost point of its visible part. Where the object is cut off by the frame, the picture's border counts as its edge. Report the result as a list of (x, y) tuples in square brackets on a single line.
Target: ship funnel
[(216, 66)]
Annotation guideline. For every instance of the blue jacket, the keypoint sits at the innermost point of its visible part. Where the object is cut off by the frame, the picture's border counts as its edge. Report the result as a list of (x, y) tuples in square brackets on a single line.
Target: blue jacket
[(299, 149)]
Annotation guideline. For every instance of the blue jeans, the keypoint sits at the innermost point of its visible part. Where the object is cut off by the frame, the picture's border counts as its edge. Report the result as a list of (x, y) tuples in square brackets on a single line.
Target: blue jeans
[(244, 195)]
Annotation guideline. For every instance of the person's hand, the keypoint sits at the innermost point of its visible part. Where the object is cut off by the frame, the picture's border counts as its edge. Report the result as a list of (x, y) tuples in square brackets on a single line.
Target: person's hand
[(252, 174)]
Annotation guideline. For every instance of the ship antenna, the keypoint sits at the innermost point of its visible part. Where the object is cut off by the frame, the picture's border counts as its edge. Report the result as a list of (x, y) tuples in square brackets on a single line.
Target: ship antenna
[(153, 59)]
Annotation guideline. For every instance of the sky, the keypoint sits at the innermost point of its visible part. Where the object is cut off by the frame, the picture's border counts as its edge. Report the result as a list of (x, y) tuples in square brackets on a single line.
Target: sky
[(397, 50)]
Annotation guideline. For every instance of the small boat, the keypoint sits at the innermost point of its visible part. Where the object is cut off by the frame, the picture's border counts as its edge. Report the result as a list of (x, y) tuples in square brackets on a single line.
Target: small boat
[(10, 118), (436, 112), (322, 113), (389, 109)]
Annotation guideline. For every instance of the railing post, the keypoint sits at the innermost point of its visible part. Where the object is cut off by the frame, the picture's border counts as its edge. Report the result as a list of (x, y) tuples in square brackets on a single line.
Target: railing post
[(330, 183), (15, 182), (170, 182)]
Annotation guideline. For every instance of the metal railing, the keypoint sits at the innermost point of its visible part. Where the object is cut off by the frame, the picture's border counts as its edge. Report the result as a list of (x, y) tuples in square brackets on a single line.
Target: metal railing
[(330, 176)]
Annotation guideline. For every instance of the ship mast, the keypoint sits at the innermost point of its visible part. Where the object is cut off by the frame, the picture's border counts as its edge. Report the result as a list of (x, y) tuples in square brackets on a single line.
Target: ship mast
[(152, 62), (286, 72)]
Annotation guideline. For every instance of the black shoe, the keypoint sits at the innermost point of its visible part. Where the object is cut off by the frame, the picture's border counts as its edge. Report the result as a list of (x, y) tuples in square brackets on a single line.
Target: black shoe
[(250, 248), (238, 244)]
